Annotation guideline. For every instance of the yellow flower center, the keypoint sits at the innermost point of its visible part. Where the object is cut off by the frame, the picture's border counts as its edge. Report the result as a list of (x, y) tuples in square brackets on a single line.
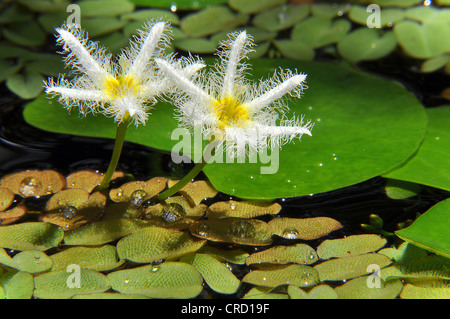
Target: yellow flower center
[(230, 112), (116, 87)]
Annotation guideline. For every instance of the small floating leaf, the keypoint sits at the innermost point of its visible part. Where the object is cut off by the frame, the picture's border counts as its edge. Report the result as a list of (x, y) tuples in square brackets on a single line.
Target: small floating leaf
[(318, 292), (253, 6), (366, 44), (27, 86), (6, 198), (34, 183), (196, 191), (295, 50), (12, 215), (100, 258), (299, 254), (277, 275), (102, 232), (216, 275), (425, 14), (430, 230), (108, 295), (304, 228), (349, 246), (149, 14), (97, 27), (87, 180), (31, 235), (435, 63), (156, 243), (423, 41), (403, 253), (361, 288), (64, 284), (396, 189), (416, 292), (234, 230), (428, 267), (105, 8), (27, 34), (235, 256), (32, 261), (167, 280), (329, 10), (388, 17), (17, 284), (138, 191), (242, 209), (350, 267), (281, 17)]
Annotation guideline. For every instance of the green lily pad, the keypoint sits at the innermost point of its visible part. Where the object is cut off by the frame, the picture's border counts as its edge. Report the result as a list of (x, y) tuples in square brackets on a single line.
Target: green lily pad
[(423, 41), (350, 267), (366, 44), (167, 280), (31, 261), (17, 284), (326, 10), (430, 165), (64, 284), (211, 20), (30, 236), (281, 17), (299, 254), (295, 50), (303, 228), (348, 146), (350, 246), (410, 291), (359, 288), (277, 275), (100, 258), (318, 292), (425, 14), (104, 8), (253, 6), (156, 243), (216, 274), (430, 230), (27, 86), (317, 31)]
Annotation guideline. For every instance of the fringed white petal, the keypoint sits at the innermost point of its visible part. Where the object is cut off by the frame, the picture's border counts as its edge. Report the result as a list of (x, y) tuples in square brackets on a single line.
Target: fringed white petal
[(232, 64)]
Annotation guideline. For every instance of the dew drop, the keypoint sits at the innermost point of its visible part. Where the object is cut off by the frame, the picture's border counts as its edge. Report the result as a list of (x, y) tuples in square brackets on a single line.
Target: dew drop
[(312, 254), (30, 186), (290, 233), (137, 197), (173, 7), (242, 229), (233, 206), (68, 212), (126, 281), (119, 192), (172, 212), (203, 230), (155, 268)]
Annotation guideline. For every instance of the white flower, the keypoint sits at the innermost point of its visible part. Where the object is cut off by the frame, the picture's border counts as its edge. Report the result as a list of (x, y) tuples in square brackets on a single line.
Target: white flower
[(127, 89), (242, 114)]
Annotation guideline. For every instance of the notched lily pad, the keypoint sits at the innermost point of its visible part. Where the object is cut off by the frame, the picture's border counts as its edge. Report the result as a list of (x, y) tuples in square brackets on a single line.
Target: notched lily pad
[(72, 208), (350, 246), (87, 180), (304, 228), (102, 258), (167, 280), (64, 284), (30, 236), (298, 254), (234, 230), (34, 183), (277, 275), (156, 243), (242, 209)]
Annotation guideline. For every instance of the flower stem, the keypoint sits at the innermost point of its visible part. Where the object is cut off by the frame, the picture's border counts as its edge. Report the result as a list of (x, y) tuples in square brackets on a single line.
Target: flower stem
[(120, 137)]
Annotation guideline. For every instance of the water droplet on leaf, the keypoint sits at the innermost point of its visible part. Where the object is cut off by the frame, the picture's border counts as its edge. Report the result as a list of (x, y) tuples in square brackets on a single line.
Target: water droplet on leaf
[(137, 197), (172, 212), (29, 186)]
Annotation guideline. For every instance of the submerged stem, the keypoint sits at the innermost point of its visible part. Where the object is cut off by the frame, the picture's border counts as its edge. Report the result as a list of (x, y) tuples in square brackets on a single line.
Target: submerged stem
[(120, 137)]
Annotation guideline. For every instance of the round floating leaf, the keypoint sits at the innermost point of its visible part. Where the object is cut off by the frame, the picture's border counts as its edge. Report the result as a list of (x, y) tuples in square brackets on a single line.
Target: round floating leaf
[(64, 284), (295, 50), (242, 209), (157, 243), (350, 267), (434, 64), (17, 284), (167, 280), (352, 123), (211, 20), (87, 180), (281, 17), (101, 258), (396, 189), (234, 230), (364, 288), (319, 292), (253, 6), (428, 267), (277, 275), (30, 236), (102, 232), (349, 246), (216, 275), (430, 230), (317, 31), (388, 17), (416, 292), (27, 34), (299, 254), (138, 191), (303, 228), (27, 86), (423, 41), (34, 183), (430, 165), (104, 8), (366, 44)]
